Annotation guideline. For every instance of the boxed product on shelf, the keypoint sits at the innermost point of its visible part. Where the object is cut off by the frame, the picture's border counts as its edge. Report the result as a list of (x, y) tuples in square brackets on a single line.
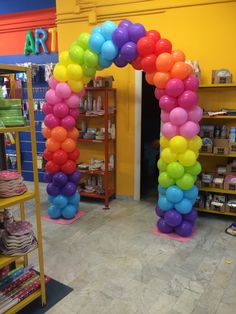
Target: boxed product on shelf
[(221, 76), (218, 182), (230, 182), (232, 148), (218, 202), (221, 146), (231, 204), (231, 167), (103, 81), (207, 131), (207, 145)]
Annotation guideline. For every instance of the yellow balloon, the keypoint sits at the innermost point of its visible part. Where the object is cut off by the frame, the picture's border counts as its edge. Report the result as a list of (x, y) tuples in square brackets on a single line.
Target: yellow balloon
[(164, 142), (86, 79), (60, 72), (76, 86), (168, 156), (178, 144), (188, 158), (74, 72), (195, 143), (64, 58)]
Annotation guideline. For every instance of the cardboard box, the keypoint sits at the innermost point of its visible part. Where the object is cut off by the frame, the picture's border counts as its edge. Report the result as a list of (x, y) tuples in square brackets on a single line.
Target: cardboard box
[(206, 149), (221, 146), (207, 131), (231, 167), (103, 81), (230, 186), (232, 148), (220, 150), (217, 206)]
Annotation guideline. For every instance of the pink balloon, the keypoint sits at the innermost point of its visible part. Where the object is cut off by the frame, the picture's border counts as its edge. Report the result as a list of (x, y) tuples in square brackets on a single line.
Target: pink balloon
[(68, 122), (73, 101), (63, 90), (167, 103), (178, 116), (189, 129), (82, 93), (60, 110), (47, 108), (74, 112), (52, 82), (191, 83), (174, 87), (51, 121), (188, 99), (169, 130), (51, 97), (195, 114), (165, 116), (159, 93)]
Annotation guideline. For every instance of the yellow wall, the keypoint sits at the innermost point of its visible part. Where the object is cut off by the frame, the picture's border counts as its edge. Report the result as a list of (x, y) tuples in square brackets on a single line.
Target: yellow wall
[(204, 30)]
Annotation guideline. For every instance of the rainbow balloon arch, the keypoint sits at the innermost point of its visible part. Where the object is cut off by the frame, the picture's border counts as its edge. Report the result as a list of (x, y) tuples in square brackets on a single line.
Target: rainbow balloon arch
[(176, 88)]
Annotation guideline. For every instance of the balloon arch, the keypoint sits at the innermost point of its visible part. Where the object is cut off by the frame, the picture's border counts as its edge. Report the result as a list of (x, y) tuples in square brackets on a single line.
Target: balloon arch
[(176, 88)]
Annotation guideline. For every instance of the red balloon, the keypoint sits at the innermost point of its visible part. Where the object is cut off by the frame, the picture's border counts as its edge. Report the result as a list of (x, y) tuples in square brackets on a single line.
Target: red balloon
[(145, 46), (149, 63), (137, 63), (154, 35), (47, 155), (51, 167), (69, 167), (60, 157), (74, 155), (163, 45)]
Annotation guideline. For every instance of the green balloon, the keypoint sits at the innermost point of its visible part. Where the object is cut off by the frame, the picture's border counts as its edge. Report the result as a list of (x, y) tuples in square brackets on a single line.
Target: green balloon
[(175, 170), (165, 180), (83, 39), (161, 165), (195, 169), (185, 182), (88, 71), (76, 54), (90, 58)]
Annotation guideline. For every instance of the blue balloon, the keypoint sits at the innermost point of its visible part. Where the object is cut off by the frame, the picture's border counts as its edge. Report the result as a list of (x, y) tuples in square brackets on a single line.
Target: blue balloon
[(54, 212), (108, 28), (97, 29), (74, 199), (164, 204), (69, 211), (104, 63), (96, 41), (109, 50), (184, 206), (50, 198), (191, 193), (174, 194), (60, 201), (161, 190)]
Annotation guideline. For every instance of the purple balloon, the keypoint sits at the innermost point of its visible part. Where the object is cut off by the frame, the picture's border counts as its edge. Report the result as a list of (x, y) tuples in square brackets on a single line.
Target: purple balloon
[(185, 229), (173, 218), (120, 36), (174, 87), (125, 23), (128, 51), (69, 189), (47, 177), (120, 62), (75, 177), (191, 83), (191, 217), (60, 179), (52, 189), (159, 212), (136, 31), (163, 227)]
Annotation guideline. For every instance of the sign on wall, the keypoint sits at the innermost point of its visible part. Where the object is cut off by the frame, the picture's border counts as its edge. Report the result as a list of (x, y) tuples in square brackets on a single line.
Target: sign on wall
[(35, 43)]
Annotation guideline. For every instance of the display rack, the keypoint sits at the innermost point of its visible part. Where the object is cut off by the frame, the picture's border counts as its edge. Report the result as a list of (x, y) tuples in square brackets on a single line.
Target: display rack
[(90, 147), (6, 70)]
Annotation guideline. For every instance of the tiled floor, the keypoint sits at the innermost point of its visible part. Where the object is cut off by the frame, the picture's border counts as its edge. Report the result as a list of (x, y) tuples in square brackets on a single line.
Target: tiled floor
[(117, 266)]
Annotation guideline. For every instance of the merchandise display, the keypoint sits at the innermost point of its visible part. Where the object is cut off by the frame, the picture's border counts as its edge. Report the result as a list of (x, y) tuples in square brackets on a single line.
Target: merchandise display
[(11, 184)]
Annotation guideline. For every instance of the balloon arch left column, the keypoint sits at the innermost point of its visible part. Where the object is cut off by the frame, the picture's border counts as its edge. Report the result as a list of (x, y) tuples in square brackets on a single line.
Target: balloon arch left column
[(176, 88)]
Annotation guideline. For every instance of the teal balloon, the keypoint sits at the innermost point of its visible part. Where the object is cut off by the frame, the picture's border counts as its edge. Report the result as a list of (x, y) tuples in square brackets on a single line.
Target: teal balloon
[(69, 211), (50, 198), (96, 41), (161, 190), (164, 204), (104, 63), (54, 212), (60, 201), (192, 193), (74, 199), (184, 206), (174, 194), (97, 29), (109, 51), (108, 28)]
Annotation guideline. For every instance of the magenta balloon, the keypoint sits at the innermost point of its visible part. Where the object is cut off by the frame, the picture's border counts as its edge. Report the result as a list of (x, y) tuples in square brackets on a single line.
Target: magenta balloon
[(167, 103), (191, 83), (169, 130), (68, 122), (165, 116), (120, 36), (189, 129), (63, 90), (74, 112), (174, 87), (159, 93), (82, 93), (188, 99), (51, 121), (195, 114), (164, 227), (185, 229), (178, 116), (73, 101), (47, 108), (51, 97), (52, 82), (60, 110)]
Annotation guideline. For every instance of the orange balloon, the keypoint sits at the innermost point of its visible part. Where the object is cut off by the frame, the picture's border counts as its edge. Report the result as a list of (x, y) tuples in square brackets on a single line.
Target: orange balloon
[(164, 62), (149, 78), (68, 145), (46, 132), (178, 55), (74, 134), (52, 145), (160, 79), (59, 134), (181, 70)]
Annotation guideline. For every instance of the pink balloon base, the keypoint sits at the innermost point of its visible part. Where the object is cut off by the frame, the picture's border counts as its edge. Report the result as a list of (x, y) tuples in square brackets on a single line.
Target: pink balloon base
[(62, 221), (174, 236)]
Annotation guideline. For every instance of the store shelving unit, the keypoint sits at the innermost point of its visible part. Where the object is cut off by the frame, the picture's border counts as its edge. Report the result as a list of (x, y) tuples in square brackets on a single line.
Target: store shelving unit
[(108, 145), (7, 202)]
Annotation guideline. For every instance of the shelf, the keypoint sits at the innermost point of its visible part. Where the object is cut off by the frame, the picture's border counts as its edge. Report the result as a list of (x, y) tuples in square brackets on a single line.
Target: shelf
[(217, 155), (217, 85), (16, 308), (85, 140), (6, 260), (204, 210), (5, 202), (94, 171), (109, 89), (82, 115), (15, 129), (10, 69), (219, 117), (214, 190), (95, 195)]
